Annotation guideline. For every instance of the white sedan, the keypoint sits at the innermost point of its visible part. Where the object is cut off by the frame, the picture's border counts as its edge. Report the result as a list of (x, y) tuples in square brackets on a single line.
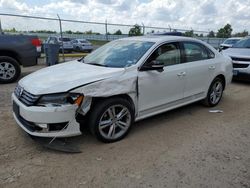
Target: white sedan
[(121, 82)]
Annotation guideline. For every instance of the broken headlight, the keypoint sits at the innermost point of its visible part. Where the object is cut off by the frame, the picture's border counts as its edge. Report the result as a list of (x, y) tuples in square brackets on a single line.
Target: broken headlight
[(60, 99)]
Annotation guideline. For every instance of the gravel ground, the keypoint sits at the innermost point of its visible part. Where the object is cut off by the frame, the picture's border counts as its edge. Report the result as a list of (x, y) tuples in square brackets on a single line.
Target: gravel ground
[(187, 147)]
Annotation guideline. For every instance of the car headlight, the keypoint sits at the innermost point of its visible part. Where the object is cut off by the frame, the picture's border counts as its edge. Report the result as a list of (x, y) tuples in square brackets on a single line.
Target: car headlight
[(60, 99)]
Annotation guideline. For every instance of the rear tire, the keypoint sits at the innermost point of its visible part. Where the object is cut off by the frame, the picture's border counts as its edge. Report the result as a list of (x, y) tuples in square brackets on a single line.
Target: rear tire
[(215, 93), (111, 119), (9, 70)]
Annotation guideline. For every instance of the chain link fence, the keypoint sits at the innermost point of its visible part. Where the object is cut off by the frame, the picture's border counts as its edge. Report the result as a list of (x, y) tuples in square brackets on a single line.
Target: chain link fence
[(45, 27)]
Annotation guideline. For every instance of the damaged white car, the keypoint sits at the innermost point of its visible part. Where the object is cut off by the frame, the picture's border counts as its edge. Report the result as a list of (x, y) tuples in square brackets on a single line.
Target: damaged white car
[(121, 82)]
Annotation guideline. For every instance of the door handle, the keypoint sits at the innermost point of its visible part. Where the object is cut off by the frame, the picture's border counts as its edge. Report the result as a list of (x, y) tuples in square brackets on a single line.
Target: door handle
[(211, 67), (181, 74)]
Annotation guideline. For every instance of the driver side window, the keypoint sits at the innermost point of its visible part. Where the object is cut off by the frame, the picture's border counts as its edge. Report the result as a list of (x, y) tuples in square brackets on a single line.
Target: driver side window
[(168, 54)]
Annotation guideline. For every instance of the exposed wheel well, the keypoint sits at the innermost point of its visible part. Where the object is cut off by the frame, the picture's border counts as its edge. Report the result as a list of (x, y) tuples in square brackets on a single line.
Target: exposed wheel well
[(125, 96), (10, 54), (83, 120), (222, 77)]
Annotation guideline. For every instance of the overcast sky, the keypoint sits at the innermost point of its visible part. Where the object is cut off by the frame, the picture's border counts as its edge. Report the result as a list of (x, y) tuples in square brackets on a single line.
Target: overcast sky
[(196, 14)]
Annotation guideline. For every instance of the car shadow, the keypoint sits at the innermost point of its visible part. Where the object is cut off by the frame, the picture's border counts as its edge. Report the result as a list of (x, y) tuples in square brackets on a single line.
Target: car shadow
[(87, 140)]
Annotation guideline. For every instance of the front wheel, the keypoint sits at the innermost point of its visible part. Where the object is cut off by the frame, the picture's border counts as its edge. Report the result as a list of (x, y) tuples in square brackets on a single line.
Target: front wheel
[(215, 93), (111, 119)]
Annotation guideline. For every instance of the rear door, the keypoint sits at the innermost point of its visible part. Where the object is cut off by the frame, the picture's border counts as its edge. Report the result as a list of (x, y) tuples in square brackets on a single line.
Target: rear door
[(200, 69)]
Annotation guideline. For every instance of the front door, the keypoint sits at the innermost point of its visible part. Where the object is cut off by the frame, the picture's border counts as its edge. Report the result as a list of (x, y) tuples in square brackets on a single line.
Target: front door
[(161, 90)]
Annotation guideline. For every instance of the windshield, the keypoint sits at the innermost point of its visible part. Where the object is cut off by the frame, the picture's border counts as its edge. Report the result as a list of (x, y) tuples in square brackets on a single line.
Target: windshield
[(244, 43), (231, 41), (119, 53)]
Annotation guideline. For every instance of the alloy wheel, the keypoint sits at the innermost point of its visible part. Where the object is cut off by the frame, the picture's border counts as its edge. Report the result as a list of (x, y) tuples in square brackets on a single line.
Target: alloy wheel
[(216, 92), (114, 122), (7, 71)]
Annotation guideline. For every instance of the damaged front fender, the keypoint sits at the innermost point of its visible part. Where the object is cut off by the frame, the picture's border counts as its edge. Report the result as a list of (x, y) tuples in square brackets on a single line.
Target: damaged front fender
[(125, 83)]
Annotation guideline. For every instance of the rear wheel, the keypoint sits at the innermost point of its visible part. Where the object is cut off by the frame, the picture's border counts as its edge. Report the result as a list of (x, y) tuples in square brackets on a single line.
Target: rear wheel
[(215, 93), (111, 119), (9, 70)]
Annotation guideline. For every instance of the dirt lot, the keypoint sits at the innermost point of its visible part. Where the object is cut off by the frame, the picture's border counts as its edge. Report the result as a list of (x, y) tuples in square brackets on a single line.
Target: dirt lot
[(187, 147)]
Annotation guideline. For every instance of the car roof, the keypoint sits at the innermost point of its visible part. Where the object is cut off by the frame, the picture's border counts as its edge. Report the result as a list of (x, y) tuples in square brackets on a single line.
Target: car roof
[(235, 38), (160, 38)]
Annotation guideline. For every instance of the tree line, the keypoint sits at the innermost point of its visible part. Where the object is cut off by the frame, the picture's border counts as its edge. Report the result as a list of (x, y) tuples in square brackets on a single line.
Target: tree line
[(136, 30)]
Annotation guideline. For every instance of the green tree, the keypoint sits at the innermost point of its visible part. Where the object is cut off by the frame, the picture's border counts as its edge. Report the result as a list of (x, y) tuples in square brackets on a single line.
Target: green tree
[(189, 33), (135, 31), (211, 34), (225, 32), (118, 32), (241, 34), (68, 32), (88, 32)]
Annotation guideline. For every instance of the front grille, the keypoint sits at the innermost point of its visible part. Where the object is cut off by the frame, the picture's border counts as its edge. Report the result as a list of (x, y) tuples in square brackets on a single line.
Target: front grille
[(25, 97), (240, 65), (240, 59)]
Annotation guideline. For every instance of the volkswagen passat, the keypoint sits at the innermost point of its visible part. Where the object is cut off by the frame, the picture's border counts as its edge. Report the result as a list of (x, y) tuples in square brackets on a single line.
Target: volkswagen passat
[(121, 82)]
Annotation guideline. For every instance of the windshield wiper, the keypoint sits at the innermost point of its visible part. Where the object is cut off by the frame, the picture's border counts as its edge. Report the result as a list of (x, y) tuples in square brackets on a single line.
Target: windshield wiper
[(81, 59), (97, 64)]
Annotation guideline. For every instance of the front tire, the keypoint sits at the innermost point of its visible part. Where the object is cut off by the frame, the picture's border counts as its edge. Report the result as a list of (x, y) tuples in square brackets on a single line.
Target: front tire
[(215, 93), (9, 70), (111, 120)]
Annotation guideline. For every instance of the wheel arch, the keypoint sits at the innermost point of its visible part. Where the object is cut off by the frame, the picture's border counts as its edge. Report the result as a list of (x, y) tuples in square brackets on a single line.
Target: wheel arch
[(12, 54), (124, 96), (223, 78)]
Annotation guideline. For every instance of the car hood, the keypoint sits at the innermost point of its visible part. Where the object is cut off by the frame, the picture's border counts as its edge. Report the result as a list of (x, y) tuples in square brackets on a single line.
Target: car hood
[(237, 52), (66, 76)]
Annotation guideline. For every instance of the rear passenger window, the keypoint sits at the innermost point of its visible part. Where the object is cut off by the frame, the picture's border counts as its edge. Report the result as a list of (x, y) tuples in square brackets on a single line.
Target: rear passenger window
[(195, 52)]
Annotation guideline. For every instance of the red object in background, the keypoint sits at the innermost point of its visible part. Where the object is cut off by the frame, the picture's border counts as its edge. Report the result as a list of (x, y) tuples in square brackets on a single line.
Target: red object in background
[(36, 42)]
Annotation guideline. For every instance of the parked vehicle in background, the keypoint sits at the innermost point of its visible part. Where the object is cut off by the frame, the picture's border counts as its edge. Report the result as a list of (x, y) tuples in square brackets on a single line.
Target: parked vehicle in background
[(228, 43), (121, 82), (169, 33), (17, 50), (82, 45), (240, 54), (65, 43)]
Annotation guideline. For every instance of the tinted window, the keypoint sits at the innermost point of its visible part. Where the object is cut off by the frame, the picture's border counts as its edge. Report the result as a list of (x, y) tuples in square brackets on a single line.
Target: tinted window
[(64, 39), (168, 54), (231, 41), (195, 52), (84, 41)]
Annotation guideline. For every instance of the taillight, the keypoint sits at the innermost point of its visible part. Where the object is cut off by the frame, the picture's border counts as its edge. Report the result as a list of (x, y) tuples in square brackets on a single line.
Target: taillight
[(36, 42)]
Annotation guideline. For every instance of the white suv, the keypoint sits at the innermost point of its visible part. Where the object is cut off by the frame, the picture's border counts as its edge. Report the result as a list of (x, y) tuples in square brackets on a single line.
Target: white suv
[(121, 82), (240, 54)]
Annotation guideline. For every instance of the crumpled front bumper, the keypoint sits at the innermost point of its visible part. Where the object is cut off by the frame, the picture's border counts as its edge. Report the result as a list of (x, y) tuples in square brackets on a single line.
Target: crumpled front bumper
[(46, 121)]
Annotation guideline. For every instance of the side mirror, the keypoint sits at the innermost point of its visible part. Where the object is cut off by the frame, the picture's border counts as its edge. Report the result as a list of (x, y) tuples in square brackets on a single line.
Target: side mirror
[(153, 65)]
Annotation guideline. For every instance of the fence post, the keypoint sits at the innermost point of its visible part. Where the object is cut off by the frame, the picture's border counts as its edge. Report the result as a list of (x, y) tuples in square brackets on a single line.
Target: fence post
[(1, 31), (143, 28), (60, 24), (106, 29)]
